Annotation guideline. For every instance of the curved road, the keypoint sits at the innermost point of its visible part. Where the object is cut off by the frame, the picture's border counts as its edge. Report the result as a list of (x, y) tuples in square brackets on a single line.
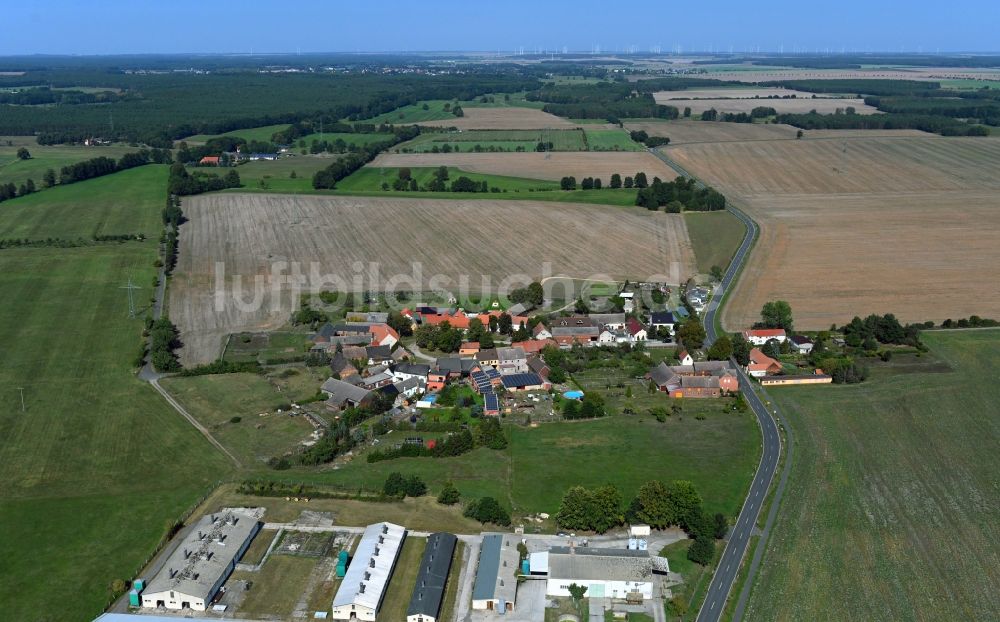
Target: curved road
[(739, 537)]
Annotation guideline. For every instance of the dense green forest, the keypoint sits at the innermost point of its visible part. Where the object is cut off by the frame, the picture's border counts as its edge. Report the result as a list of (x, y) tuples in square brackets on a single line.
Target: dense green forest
[(161, 107)]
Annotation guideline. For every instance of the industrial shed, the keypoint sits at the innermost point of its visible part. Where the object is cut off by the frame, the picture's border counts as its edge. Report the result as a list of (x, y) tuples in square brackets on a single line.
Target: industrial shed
[(496, 575), (204, 559), (428, 591), (606, 573), (361, 592)]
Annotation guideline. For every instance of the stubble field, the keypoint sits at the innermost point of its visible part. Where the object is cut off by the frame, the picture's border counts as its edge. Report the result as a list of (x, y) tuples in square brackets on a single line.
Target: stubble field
[(495, 239), (890, 512), (862, 225), (745, 100), (691, 131), (538, 165)]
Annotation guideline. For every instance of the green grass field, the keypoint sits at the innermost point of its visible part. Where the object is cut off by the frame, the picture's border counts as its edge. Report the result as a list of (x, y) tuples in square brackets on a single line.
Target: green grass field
[(368, 181), (715, 237), (126, 202), (611, 140), (215, 400), (276, 175), (404, 575), (891, 507), (502, 140), (350, 138), (98, 465), (718, 454), (44, 157), (415, 113), (262, 134)]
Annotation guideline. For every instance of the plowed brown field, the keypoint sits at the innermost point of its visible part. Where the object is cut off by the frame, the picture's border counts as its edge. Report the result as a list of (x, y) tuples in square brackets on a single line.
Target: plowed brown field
[(247, 234), (859, 225), (553, 165)]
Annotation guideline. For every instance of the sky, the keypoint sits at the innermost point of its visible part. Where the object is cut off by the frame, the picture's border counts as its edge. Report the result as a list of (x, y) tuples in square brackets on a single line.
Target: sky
[(185, 26)]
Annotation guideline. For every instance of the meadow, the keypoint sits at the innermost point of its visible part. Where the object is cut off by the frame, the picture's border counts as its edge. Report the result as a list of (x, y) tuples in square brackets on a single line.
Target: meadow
[(892, 497), (611, 140), (505, 140), (97, 466), (44, 157), (260, 134), (718, 454), (128, 202), (715, 236)]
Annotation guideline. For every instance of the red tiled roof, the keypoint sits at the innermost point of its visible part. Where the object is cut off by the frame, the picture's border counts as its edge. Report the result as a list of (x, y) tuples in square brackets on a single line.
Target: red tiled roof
[(209, 160), (634, 326), (765, 332)]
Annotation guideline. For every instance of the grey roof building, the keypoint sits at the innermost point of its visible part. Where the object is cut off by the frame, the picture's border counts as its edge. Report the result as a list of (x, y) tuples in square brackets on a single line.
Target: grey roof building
[(599, 564), (428, 591), (340, 394), (198, 567), (496, 575)]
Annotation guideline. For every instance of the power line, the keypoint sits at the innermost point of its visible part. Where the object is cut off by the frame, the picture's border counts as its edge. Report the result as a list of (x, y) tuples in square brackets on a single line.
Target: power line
[(131, 301)]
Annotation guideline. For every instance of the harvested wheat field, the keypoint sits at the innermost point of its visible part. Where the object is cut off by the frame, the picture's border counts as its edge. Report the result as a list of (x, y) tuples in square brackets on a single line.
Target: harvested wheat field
[(690, 131), (512, 118), (726, 92), (822, 105), (247, 234), (850, 227), (533, 165)]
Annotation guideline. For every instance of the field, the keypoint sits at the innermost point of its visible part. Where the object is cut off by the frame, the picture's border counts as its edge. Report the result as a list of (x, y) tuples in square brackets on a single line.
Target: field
[(262, 134), (128, 202), (853, 226), (404, 576), (47, 157), (726, 92), (715, 236), (892, 498), (513, 118), (507, 140), (537, 165), (690, 131), (370, 179), (276, 175), (611, 140), (745, 100), (478, 239), (98, 465), (718, 454)]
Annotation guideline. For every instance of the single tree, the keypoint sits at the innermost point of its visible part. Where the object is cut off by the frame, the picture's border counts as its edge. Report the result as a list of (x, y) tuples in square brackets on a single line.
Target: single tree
[(616, 181), (449, 495), (776, 314), (49, 178), (23, 154), (721, 350), (692, 333)]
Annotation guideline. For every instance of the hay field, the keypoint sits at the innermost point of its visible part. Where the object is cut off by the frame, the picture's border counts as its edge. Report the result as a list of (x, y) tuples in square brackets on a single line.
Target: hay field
[(890, 512), (537, 165), (247, 233), (861, 225), (684, 132), (513, 118)]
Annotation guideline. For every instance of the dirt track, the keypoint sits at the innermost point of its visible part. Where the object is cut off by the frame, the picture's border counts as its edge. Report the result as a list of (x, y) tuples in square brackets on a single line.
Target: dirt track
[(246, 234), (552, 166), (860, 225)]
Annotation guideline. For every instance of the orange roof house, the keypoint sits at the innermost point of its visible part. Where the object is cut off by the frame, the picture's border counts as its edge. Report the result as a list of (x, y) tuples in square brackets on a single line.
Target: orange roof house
[(383, 335), (209, 161), (762, 364), (469, 348)]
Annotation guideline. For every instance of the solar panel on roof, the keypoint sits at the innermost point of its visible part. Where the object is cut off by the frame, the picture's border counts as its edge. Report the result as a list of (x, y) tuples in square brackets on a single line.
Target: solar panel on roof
[(492, 403), (521, 380)]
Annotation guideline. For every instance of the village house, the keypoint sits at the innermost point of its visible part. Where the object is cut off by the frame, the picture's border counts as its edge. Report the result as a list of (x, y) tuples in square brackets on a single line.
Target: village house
[(574, 329), (403, 371), (685, 358), (378, 354), (662, 319), (537, 365), (609, 321), (383, 335), (209, 161), (541, 332), (469, 348), (760, 336), (341, 394), (511, 361), (487, 357), (436, 380), (762, 365), (635, 329), (534, 346), (802, 345)]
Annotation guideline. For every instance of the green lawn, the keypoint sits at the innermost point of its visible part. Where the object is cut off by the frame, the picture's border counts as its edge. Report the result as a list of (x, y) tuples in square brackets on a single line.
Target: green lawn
[(611, 140), (718, 454), (262, 134), (44, 157), (892, 498), (126, 202), (215, 400), (715, 237), (276, 175), (497, 140), (98, 465), (414, 113)]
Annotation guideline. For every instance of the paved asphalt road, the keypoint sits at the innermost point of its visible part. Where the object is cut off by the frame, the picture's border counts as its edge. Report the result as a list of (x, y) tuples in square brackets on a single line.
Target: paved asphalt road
[(739, 537)]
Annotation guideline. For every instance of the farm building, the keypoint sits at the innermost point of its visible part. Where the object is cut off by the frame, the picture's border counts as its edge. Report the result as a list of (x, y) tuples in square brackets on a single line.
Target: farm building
[(762, 365), (760, 336), (428, 591), (363, 588), (341, 394), (778, 381), (529, 381), (609, 321), (802, 345), (606, 573), (202, 562), (708, 379), (534, 346), (209, 161), (496, 574)]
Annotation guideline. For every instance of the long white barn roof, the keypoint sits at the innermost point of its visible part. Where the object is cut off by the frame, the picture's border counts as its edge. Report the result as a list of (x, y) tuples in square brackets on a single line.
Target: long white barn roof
[(381, 543)]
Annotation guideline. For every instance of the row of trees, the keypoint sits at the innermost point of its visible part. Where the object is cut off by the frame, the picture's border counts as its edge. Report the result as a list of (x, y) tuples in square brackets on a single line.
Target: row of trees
[(640, 136), (595, 183), (182, 183), (342, 167)]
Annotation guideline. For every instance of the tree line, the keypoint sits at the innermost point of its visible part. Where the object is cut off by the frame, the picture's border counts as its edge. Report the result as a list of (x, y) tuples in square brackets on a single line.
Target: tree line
[(680, 195), (326, 179)]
